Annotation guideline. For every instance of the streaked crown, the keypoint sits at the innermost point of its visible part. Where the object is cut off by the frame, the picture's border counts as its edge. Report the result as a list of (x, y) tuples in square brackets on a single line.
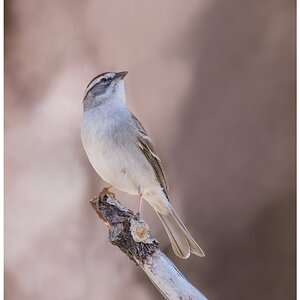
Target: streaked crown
[(105, 86), (105, 79)]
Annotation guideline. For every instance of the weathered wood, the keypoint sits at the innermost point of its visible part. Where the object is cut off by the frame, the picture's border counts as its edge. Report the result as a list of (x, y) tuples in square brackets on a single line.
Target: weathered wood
[(132, 235)]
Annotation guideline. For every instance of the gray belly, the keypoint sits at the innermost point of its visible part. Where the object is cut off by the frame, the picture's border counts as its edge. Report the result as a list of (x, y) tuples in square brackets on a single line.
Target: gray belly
[(113, 152), (124, 167)]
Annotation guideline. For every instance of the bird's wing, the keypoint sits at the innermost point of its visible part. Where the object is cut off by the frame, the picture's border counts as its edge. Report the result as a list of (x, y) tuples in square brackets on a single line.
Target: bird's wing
[(147, 148)]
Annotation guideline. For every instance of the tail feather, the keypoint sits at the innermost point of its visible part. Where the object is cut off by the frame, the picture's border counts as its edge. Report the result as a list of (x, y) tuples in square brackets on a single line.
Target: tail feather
[(181, 240)]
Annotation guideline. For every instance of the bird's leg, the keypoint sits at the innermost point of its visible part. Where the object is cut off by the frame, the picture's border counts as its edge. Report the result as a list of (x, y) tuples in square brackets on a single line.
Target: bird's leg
[(106, 191), (140, 192), (140, 205)]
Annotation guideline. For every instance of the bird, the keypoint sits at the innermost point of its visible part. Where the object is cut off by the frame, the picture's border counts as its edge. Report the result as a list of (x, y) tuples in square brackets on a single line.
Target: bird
[(121, 152)]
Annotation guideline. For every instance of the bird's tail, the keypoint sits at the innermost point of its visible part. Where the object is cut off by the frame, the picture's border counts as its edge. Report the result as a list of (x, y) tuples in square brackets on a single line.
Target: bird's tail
[(181, 240)]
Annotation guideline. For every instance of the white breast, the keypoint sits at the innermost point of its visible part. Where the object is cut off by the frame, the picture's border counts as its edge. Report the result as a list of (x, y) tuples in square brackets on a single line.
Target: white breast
[(112, 150)]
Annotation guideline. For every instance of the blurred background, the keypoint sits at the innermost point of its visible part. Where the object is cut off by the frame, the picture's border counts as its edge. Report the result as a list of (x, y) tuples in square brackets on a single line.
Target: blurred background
[(213, 82)]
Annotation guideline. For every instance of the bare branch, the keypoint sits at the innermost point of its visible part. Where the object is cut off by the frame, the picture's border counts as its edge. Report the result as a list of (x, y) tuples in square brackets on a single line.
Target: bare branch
[(132, 235)]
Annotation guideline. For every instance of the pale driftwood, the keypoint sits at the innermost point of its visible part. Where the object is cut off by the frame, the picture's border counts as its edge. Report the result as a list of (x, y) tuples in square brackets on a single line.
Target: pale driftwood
[(132, 236)]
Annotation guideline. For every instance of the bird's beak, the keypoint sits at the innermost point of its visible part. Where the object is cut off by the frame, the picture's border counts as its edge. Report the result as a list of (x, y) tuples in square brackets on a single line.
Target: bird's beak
[(120, 75)]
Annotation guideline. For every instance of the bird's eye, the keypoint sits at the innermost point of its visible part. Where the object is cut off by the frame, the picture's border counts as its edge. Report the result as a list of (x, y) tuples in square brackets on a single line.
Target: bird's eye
[(103, 80)]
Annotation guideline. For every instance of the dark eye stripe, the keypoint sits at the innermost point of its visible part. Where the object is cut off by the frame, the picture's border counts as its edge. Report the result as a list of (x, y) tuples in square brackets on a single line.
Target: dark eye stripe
[(100, 79), (96, 77), (104, 81)]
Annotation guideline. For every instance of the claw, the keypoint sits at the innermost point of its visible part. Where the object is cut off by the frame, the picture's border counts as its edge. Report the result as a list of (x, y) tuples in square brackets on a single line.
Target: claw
[(106, 191)]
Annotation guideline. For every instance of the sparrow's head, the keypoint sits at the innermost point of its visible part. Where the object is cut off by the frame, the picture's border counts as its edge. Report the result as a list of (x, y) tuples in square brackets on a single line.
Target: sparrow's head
[(108, 86)]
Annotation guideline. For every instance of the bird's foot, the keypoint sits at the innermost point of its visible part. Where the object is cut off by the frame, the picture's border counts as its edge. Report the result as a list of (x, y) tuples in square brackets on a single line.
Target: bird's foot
[(106, 191)]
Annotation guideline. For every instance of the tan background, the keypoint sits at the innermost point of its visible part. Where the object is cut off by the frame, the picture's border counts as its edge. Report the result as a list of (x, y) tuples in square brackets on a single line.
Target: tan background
[(214, 84)]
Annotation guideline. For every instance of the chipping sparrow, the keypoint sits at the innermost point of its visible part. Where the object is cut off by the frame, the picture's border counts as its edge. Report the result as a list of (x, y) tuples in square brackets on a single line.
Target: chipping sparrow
[(121, 152)]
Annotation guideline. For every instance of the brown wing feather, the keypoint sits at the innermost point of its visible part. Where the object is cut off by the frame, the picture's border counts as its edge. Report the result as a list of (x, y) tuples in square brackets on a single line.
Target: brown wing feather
[(148, 150)]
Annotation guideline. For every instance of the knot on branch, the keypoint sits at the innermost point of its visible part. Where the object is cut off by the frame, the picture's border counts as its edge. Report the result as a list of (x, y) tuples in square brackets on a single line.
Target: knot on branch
[(126, 230)]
